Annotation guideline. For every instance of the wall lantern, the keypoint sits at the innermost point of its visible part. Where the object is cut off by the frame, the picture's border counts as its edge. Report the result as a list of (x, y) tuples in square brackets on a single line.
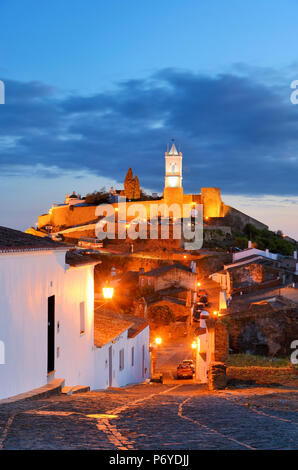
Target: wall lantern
[(108, 291)]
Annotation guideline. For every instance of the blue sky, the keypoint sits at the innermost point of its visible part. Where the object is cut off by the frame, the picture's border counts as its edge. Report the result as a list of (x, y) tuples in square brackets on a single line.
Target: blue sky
[(94, 87)]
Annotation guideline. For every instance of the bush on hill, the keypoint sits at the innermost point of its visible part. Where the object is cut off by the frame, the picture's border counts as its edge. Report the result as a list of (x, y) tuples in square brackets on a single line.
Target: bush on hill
[(265, 239), (97, 197)]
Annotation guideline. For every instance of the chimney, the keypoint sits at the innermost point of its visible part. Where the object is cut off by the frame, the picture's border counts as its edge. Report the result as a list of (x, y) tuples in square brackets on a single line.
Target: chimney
[(295, 254), (249, 244)]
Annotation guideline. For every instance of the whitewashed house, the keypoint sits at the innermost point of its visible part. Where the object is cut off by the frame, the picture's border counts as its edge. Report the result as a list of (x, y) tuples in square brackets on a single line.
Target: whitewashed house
[(46, 315), (47, 319), (122, 349)]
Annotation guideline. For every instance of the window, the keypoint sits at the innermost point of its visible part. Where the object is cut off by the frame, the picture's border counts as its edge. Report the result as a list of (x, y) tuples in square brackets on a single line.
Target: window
[(121, 359), (82, 317), (132, 356)]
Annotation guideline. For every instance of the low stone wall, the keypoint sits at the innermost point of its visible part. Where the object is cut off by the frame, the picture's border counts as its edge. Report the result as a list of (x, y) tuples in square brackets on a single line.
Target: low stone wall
[(262, 333), (217, 378), (262, 375)]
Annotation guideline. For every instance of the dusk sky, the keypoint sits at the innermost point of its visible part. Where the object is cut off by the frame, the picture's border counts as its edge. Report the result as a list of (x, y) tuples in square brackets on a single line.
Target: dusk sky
[(94, 87)]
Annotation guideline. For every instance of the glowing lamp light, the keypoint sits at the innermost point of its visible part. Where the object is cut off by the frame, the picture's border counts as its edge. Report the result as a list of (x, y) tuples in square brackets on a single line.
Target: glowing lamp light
[(158, 340), (194, 344), (116, 209), (215, 313), (199, 284), (108, 292)]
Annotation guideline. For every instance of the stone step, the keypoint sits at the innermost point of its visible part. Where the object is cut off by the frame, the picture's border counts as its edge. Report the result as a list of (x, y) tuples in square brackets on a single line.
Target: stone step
[(67, 390), (52, 388), (80, 389)]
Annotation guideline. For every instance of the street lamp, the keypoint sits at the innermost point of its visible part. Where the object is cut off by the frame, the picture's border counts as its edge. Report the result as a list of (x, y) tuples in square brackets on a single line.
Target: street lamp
[(194, 344), (157, 341), (107, 291), (199, 284)]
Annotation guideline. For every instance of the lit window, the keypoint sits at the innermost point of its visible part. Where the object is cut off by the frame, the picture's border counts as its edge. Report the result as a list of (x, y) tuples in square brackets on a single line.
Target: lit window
[(121, 359), (82, 317)]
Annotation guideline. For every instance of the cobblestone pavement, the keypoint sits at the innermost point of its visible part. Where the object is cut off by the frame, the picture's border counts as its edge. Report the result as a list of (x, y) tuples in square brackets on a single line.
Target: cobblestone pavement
[(154, 416)]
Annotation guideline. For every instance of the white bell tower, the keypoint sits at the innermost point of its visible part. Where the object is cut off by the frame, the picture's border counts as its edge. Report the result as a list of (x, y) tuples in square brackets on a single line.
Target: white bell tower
[(173, 177)]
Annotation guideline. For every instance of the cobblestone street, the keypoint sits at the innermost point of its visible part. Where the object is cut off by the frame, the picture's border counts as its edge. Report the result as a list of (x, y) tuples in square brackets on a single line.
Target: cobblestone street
[(154, 416)]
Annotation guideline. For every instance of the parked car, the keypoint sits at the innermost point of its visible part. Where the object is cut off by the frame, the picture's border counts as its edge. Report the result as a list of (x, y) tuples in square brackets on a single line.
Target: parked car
[(191, 363), (199, 306), (204, 300), (184, 371)]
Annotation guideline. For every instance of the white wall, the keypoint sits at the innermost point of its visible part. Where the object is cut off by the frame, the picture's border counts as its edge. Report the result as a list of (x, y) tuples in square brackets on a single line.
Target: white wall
[(27, 279), (253, 251), (76, 360), (130, 374)]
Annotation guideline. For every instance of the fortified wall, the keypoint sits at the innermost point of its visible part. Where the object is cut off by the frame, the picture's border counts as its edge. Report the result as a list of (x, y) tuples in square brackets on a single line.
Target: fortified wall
[(214, 210)]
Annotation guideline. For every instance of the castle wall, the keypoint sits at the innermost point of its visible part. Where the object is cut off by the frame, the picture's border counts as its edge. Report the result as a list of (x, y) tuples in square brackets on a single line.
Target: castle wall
[(43, 220), (68, 216), (173, 196), (211, 199)]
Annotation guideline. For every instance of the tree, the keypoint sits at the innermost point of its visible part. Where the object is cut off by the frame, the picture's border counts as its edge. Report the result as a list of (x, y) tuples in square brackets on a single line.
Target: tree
[(129, 184), (137, 189), (251, 231), (132, 188), (161, 314), (97, 197)]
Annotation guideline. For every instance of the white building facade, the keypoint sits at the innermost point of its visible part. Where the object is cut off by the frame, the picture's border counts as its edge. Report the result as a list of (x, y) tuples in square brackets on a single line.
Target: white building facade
[(122, 350), (43, 304), (47, 323), (123, 361)]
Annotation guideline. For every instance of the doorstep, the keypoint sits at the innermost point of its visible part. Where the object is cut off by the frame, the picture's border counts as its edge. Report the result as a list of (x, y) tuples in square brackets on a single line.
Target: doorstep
[(51, 388)]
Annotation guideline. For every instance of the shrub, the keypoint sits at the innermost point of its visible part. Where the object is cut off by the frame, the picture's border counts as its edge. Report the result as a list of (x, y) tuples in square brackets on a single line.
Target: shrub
[(161, 314)]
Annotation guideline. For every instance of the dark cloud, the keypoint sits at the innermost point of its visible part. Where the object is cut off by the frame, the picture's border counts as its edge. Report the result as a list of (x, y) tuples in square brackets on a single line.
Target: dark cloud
[(236, 132)]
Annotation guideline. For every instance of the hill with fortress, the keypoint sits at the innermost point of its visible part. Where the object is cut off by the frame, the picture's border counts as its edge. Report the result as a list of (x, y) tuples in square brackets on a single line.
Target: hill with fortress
[(76, 212)]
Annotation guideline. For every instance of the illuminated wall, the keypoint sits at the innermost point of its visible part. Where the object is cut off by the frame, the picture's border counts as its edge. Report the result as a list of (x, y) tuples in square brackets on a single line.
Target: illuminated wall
[(211, 198)]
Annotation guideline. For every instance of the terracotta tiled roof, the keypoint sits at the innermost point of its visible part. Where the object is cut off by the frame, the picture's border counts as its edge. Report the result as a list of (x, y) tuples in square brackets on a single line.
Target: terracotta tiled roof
[(109, 325), (15, 240), (165, 268), (74, 259), (139, 324)]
